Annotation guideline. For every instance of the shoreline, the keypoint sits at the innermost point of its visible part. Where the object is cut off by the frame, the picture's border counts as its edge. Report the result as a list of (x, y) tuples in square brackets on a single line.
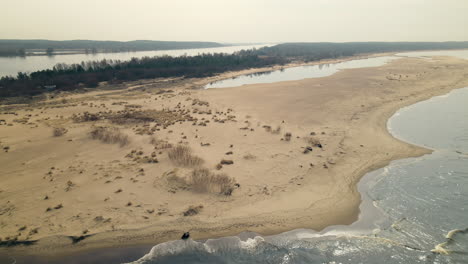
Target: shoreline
[(232, 74), (145, 235)]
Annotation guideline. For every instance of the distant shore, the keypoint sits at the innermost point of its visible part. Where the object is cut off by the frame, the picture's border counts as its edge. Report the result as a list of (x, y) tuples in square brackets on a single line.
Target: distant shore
[(75, 52), (24, 47), (281, 186)]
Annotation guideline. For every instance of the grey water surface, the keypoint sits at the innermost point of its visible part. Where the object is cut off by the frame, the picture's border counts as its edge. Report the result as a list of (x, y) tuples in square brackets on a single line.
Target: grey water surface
[(12, 65), (323, 70), (300, 72)]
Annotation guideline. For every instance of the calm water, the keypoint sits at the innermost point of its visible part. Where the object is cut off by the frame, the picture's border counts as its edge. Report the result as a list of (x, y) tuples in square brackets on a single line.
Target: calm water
[(314, 71), (299, 73), (13, 65)]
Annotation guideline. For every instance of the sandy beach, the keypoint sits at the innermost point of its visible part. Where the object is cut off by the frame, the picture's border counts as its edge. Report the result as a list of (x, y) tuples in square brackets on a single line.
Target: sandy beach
[(104, 168)]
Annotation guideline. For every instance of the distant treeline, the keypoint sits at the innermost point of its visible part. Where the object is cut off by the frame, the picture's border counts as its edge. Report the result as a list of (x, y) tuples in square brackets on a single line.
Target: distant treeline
[(89, 74), (326, 50), (18, 47)]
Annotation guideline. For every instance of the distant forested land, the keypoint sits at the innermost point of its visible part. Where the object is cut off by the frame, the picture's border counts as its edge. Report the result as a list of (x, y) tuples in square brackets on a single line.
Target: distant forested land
[(18, 47), (326, 50), (65, 77)]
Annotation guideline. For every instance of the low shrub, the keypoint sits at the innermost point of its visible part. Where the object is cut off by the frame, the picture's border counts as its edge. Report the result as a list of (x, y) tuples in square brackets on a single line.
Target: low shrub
[(202, 180), (182, 156), (109, 135), (193, 210), (59, 131)]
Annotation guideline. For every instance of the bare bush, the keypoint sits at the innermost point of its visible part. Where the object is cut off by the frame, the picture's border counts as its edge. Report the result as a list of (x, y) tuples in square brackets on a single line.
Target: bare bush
[(133, 106), (193, 210), (312, 141), (109, 135), (224, 183), (160, 144), (59, 131), (287, 136), (182, 156), (140, 116), (226, 162), (85, 117), (202, 180)]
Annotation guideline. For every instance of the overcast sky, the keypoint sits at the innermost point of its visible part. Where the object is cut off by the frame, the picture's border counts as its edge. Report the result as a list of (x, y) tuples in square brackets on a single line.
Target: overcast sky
[(236, 20)]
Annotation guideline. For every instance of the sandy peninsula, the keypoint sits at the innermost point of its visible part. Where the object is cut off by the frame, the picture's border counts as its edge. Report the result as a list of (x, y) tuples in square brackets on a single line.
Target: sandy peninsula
[(148, 161)]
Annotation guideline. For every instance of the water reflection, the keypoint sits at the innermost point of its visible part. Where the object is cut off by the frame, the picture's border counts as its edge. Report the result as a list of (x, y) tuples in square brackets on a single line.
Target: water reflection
[(299, 73)]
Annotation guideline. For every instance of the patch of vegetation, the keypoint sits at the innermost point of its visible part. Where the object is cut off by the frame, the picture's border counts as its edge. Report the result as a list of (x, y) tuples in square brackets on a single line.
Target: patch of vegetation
[(59, 131), (162, 118), (160, 144), (202, 180), (313, 141), (109, 135), (85, 117), (138, 116), (249, 157), (192, 210), (182, 156)]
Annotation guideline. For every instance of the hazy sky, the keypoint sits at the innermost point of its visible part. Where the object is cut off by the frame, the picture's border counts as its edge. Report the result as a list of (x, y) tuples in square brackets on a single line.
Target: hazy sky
[(236, 20)]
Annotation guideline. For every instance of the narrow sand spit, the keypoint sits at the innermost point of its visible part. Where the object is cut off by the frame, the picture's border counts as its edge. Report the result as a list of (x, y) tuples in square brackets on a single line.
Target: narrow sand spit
[(147, 163)]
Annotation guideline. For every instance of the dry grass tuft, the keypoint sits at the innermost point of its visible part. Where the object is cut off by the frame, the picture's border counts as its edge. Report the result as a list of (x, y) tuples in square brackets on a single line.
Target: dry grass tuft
[(276, 131), (249, 157), (160, 144), (312, 141), (267, 128), (182, 156), (202, 180), (86, 117), (59, 131), (132, 117), (226, 162), (133, 106), (109, 135), (193, 210)]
